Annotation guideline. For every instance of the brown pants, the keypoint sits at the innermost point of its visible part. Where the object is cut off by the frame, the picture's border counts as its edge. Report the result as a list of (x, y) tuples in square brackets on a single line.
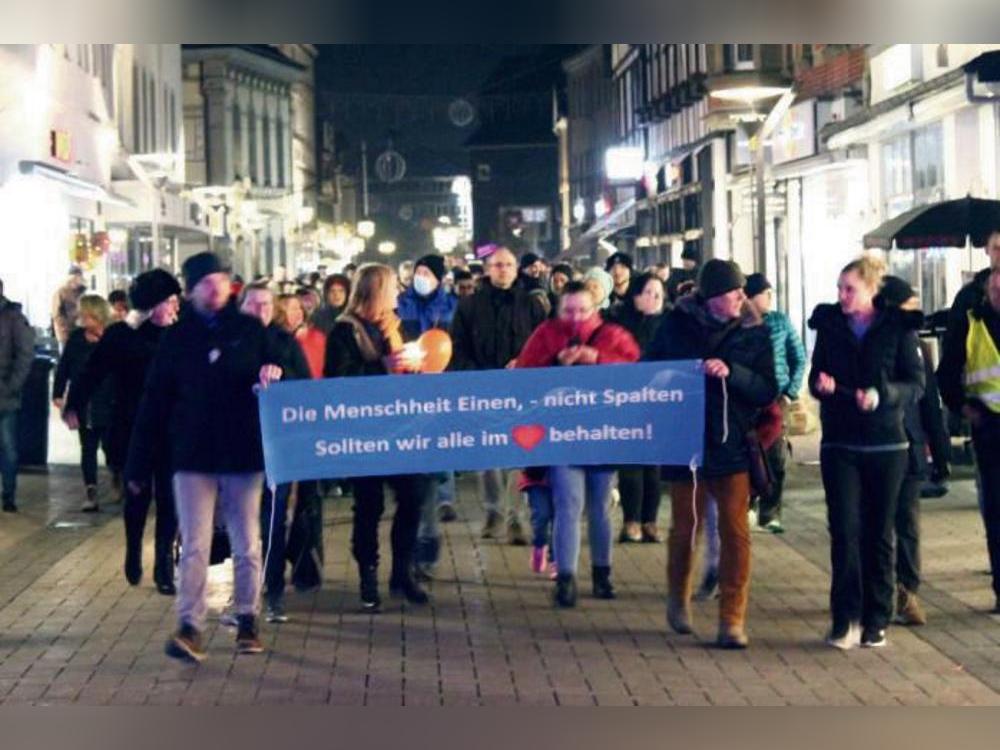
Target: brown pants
[(732, 494)]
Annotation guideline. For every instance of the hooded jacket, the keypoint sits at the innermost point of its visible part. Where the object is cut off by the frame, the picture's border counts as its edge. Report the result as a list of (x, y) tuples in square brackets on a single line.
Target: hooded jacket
[(690, 332), (17, 350), (491, 327), (886, 358)]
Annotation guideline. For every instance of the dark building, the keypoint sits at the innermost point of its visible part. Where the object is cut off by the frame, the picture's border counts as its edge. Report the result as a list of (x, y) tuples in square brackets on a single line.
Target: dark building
[(412, 108), (513, 154)]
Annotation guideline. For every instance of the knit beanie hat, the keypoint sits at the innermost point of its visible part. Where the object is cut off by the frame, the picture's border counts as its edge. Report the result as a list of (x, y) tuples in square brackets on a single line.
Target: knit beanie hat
[(719, 276), (199, 266), (433, 263), (564, 268), (151, 288), (605, 280)]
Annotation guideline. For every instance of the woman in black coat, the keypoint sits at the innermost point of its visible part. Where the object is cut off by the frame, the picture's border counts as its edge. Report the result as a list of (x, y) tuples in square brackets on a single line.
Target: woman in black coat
[(95, 314), (121, 359), (640, 313), (866, 370), (367, 340)]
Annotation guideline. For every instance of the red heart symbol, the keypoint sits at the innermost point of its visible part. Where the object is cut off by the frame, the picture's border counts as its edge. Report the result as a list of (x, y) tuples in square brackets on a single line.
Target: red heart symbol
[(528, 435)]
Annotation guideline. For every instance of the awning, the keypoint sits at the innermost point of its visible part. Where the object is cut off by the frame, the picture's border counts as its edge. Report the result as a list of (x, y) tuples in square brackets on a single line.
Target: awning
[(71, 184), (620, 217)]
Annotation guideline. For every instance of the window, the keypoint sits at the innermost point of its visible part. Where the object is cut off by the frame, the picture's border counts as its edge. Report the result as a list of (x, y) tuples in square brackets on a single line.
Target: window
[(928, 160), (152, 140), (279, 128), (742, 56), (137, 95), (239, 166), (267, 151), (252, 146)]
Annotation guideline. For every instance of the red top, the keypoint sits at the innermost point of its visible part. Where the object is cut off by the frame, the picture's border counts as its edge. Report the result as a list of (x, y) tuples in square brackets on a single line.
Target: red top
[(614, 344), (313, 343)]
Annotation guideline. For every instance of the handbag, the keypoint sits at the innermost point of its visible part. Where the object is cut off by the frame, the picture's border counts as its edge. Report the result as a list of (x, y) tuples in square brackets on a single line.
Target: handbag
[(761, 476)]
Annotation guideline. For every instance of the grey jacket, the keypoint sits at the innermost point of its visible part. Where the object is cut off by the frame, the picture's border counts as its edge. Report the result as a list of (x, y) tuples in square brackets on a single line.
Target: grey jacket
[(17, 350)]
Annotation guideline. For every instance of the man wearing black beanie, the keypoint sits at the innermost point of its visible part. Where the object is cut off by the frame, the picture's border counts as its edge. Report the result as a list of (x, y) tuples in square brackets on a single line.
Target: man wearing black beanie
[(201, 392), (619, 265), (714, 326)]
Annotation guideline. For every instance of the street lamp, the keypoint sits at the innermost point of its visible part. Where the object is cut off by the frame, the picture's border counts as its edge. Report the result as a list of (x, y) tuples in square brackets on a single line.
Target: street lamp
[(366, 228), (387, 247), (624, 163)]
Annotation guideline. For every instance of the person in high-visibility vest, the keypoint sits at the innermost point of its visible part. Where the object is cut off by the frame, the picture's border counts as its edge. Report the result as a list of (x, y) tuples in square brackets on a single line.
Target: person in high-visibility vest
[(969, 378)]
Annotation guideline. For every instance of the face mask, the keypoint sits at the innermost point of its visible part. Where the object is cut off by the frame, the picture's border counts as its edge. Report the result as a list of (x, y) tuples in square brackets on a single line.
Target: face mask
[(422, 285)]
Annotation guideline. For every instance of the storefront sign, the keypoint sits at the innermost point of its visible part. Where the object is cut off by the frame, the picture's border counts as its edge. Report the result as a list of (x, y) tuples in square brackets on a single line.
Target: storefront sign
[(649, 413), (795, 136)]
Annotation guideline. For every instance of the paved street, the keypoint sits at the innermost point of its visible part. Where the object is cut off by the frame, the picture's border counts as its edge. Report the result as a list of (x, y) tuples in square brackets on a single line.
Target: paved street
[(72, 631)]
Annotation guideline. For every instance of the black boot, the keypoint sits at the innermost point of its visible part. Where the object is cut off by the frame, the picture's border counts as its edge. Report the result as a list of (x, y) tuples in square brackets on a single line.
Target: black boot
[(601, 577), (133, 559), (370, 600), (163, 572), (402, 584), (565, 594)]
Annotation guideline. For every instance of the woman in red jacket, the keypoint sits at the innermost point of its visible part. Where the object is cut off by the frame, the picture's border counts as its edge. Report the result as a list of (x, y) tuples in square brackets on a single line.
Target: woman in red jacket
[(579, 336)]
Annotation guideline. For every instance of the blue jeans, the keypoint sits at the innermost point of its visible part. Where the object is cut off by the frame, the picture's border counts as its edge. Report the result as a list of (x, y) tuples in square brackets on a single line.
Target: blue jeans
[(542, 512), (275, 540), (8, 454), (572, 487), (428, 549)]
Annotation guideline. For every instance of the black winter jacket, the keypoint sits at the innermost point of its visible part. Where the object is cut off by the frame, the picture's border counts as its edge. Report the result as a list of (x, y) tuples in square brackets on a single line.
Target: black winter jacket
[(17, 351), (286, 347), (491, 327), (78, 351), (200, 394), (343, 353), (689, 332), (886, 358), (642, 327), (121, 358)]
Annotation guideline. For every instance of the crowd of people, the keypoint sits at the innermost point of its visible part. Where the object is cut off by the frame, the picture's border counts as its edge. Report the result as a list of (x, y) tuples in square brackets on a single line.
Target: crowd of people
[(164, 380)]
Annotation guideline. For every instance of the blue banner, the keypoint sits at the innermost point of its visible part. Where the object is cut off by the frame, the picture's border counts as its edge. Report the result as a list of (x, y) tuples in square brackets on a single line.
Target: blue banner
[(647, 413)]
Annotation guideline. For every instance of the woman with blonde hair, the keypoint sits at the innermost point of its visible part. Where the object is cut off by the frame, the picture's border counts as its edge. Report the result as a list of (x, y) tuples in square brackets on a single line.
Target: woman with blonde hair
[(367, 340), (866, 369), (94, 317)]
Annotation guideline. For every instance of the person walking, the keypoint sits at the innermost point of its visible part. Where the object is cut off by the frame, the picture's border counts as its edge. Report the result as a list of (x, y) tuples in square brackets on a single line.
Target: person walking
[(790, 370), (365, 341), (17, 351), (866, 369), (580, 337), (122, 357), (427, 304), (718, 326), (201, 391), (66, 305), (95, 420), (257, 300), (640, 313), (488, 331), (970, 385), (920, 420)]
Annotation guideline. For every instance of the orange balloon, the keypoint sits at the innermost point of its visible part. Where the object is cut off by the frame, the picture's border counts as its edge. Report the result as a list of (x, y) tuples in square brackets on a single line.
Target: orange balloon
[(436, 347)]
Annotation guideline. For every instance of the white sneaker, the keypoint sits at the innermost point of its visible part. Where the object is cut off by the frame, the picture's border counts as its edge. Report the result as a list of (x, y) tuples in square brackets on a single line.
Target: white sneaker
[(752, 519), (847, 640), (616, 497)]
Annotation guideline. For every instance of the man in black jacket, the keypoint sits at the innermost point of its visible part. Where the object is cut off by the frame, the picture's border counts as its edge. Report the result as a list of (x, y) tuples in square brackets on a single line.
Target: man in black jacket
[(718, 326), (969, 378), (17, 349), (488, 331), (201, 390)]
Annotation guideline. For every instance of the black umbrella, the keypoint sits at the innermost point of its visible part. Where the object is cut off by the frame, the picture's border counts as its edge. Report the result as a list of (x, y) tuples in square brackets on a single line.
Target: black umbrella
[(946, 224)]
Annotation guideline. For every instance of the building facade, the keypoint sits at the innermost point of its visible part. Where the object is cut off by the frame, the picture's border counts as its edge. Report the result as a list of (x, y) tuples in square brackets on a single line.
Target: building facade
[(239, 133)]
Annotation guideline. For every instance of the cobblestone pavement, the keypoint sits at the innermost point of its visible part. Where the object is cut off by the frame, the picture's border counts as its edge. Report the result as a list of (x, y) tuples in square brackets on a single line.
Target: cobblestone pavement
[(72, 631)]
